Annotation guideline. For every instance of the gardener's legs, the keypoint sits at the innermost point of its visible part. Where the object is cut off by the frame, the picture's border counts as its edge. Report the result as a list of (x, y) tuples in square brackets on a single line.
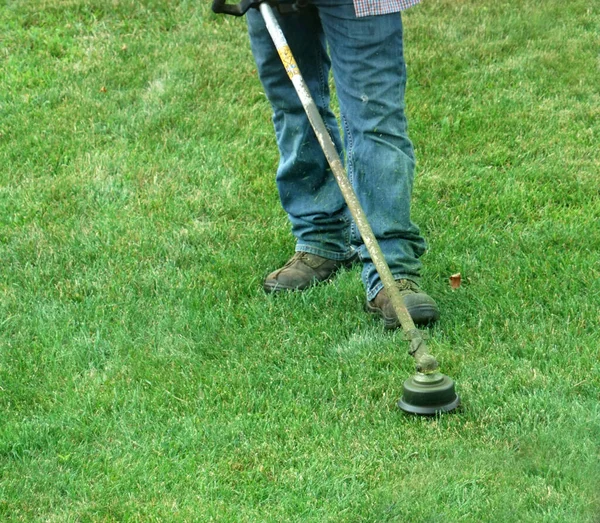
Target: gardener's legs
[(370, 76), (307, 189)]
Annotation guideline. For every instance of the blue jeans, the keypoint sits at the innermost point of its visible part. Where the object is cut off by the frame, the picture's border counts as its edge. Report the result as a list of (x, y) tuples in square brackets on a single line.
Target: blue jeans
[(366, 55)]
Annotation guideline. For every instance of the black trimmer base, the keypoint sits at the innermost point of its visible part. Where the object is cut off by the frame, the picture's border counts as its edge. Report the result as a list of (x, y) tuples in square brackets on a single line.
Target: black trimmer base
[(428, 394)]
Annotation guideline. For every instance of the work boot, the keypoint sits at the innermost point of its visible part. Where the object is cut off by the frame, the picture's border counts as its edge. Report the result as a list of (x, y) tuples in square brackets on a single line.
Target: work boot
[(304, 270), (421, 307)]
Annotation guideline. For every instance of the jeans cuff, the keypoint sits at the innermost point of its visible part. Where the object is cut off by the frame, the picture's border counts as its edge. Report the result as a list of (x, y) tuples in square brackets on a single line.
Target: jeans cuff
[(330, 255), (371, 293)]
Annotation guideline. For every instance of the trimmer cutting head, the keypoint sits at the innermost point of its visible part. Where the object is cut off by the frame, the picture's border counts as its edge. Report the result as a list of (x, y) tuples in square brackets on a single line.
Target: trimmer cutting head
[(429, 394)]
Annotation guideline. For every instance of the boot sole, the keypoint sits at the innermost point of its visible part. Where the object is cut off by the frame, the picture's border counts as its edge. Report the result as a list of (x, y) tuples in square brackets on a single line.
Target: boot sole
[(420, 314), (276, 287)]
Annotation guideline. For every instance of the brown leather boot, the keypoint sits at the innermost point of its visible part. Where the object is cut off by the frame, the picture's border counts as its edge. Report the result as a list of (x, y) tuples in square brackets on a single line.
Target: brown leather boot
[(304, 270), (421, 307)]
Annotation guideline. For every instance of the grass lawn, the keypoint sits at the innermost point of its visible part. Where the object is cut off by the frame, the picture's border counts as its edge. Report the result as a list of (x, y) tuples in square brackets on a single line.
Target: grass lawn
[(144, 374)]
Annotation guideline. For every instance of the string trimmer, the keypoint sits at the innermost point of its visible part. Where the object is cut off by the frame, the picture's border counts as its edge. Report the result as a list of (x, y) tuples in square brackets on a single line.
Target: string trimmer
[(428, 391)]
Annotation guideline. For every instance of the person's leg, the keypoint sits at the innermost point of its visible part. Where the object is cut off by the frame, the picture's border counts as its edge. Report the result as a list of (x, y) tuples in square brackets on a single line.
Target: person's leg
[(370, 77), (307, 189)]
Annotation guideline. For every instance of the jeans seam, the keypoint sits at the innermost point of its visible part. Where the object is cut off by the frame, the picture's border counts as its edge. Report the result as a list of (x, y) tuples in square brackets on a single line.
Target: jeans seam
[(321, 77), (347, 231), (350, 167)]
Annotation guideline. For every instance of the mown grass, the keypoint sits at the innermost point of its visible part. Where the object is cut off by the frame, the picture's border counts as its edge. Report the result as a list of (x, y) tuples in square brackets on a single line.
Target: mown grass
[(145, 376)]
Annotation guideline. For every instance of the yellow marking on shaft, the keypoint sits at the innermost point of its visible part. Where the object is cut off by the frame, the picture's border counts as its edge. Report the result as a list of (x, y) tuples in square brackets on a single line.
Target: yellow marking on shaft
[(288, 61)]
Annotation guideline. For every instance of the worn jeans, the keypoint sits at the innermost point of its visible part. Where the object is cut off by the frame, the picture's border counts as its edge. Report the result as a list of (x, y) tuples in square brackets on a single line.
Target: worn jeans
[(366, 55)]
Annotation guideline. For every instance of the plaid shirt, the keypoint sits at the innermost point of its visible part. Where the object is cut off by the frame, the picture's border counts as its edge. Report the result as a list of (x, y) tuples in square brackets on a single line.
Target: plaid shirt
[(381, 7)]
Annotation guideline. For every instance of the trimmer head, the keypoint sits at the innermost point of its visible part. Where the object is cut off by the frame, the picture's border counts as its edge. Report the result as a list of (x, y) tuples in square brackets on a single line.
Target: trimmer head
[(429, 394)]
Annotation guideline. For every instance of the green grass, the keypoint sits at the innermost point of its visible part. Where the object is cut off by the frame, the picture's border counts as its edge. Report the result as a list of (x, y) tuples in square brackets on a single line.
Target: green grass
[(145, 376)]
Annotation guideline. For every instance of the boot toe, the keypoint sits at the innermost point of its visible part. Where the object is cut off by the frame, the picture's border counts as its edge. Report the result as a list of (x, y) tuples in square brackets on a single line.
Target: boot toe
[(303, 270), (422, 308), (286, 281)]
